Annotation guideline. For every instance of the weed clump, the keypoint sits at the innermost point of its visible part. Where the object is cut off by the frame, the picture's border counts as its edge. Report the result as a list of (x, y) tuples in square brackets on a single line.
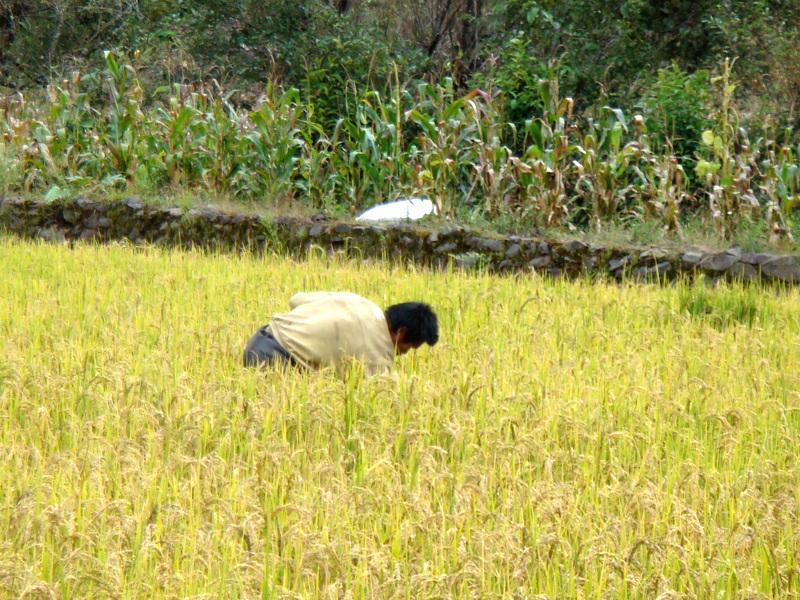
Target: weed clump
[(723, 305)]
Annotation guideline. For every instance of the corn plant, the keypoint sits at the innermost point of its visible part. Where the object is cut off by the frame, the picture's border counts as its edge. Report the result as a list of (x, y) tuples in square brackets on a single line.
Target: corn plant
[(13, 122), (369, 150), (9, 168), (28, 132), (72, 125), (226, 170), (317, 179), (276, 142), (662, 182), (604, 176), (495, 177), (21, 150), (440, 149), (125, 117), (780, 185), (457, 148), (728, 162), (670, 192), (172, 141), (548, 156)]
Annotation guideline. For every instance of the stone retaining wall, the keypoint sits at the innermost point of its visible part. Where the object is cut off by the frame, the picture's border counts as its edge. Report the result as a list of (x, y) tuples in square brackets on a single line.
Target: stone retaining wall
[(129, 219)]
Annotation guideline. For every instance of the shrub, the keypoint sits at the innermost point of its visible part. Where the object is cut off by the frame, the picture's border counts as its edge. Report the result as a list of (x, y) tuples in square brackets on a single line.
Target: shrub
[(675, 107), (517, 75)]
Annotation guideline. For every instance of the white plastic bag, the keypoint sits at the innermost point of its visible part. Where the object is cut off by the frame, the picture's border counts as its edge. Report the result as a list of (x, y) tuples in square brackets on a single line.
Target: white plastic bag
[(410, 209)]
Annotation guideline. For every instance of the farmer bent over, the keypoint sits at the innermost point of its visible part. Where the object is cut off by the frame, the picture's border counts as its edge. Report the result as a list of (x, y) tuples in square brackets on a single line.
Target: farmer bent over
[(332, 328)]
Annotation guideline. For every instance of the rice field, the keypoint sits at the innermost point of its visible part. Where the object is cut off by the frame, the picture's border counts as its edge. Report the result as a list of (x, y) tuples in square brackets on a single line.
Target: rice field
[(563, 440)]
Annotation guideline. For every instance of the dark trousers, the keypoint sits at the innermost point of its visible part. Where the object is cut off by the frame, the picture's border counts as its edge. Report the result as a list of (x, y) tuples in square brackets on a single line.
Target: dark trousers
[(264, 349)]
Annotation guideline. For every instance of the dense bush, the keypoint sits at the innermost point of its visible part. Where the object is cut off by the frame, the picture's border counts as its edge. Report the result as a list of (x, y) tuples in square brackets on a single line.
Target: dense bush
[(676, 108), (606, 52), (305, 44)]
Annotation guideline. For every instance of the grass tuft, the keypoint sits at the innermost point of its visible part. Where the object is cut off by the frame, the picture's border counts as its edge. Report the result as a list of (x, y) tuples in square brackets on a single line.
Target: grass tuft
[(724, 305)]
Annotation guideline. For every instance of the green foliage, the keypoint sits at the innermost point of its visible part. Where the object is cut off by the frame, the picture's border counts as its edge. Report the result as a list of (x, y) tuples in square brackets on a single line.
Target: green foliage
[(607, 52), (441, 147), (675, 107), (781, 187), (9, 169), (300, 43), (457, 148), (548, 152), (517, 75), (39, 37), (722, 306), (339, 56), (727, 162)]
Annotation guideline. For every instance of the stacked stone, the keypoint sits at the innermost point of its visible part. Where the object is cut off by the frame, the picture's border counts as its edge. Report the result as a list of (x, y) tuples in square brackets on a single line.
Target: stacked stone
[(129, 219)]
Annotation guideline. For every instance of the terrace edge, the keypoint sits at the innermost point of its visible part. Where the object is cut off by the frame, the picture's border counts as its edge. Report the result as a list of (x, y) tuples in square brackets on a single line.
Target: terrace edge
[(130, 219)]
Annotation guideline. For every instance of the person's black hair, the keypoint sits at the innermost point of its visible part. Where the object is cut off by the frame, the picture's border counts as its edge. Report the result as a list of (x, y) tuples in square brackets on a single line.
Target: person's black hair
[(419, 320)]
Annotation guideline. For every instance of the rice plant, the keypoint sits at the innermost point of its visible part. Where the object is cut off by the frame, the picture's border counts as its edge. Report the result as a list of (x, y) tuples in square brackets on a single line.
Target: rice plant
[(563, 439)]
